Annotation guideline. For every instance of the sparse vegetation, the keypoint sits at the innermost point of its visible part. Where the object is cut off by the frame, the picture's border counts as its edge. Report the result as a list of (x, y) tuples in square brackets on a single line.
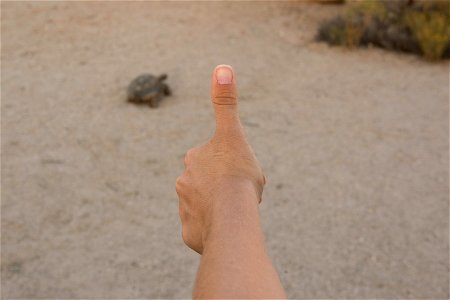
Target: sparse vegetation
[(410, 26)]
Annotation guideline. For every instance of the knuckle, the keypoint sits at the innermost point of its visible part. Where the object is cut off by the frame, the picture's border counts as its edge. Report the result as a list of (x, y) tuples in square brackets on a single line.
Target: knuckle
[(188, 157), (190, 152), (192, 155), (191, 243), (225, 97), (179, 184), (185, 237)]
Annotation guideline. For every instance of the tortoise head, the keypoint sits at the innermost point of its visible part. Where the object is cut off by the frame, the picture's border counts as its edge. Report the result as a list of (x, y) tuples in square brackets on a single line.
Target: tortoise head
[(162, 77)]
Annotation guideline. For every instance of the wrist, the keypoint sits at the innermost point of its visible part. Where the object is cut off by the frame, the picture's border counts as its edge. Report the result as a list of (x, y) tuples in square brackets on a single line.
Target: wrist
[(233, 213)]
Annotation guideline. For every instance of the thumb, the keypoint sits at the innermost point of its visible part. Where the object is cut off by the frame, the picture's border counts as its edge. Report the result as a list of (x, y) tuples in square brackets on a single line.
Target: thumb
[(224, 98)]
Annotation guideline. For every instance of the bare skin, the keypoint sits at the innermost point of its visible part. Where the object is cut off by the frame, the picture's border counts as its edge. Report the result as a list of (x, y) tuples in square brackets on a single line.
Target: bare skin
[(219, 194)]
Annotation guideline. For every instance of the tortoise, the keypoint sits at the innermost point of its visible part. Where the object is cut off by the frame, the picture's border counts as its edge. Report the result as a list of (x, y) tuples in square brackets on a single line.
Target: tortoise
[(147, 88)]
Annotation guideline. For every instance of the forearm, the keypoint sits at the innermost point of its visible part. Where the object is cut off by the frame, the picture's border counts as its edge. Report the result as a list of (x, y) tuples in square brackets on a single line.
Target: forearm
[(219, 193), (234, 263)]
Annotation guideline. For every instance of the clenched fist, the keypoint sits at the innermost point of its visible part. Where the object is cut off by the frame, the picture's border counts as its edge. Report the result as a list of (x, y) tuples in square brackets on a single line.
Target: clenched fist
[(223, 166)]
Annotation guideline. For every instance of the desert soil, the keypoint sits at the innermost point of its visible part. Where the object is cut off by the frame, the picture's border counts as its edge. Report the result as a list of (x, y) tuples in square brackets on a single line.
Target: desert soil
[(354, 145)]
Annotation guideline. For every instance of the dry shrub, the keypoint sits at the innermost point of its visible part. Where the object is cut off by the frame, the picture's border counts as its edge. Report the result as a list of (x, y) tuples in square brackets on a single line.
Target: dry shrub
[(431, 30), (348, 30), (416, 27)]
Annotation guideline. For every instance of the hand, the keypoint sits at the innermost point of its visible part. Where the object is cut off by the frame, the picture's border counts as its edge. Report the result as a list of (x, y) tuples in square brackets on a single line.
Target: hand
[(226, 163)]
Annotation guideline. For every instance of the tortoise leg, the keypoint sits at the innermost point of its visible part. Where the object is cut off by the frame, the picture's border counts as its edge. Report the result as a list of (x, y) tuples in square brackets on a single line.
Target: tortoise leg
[(131, 98), (154, 101), (167, 90)]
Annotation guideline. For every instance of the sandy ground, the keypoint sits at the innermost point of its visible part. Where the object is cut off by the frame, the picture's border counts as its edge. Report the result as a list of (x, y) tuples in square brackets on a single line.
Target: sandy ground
[(354, 145)]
